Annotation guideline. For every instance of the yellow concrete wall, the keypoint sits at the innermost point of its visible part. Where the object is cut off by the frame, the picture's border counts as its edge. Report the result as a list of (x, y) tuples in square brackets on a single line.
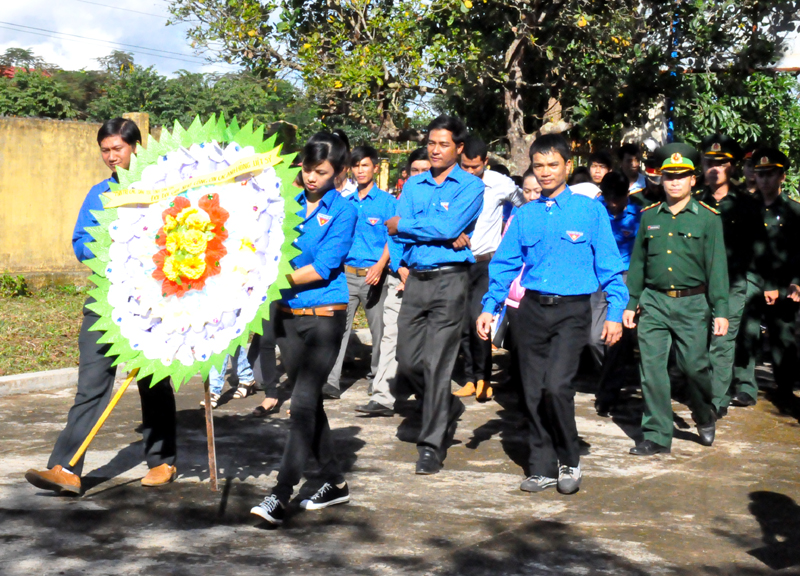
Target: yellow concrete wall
[(46, 169)]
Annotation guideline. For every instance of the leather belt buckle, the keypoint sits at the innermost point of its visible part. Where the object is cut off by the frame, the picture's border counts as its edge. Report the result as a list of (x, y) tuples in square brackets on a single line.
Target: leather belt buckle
[(671, 293), (549, 300)]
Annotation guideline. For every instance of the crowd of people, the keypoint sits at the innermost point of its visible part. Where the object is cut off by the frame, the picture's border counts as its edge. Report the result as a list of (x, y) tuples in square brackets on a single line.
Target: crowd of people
[(686, 261)]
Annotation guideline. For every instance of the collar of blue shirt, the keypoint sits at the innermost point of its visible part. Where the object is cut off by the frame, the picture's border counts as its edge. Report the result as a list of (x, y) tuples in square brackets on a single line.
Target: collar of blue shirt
[(561, 200), (355, 196), (325, 202), (456, 175)]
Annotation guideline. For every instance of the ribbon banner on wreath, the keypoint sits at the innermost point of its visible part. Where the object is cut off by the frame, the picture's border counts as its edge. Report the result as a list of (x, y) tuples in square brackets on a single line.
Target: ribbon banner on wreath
[(192, 246)]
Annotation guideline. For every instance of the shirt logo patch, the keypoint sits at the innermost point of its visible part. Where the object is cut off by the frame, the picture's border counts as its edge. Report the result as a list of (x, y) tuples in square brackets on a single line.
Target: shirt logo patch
[(446, 205), (373, 221), (574, 235), (323, 219), (656, 227)]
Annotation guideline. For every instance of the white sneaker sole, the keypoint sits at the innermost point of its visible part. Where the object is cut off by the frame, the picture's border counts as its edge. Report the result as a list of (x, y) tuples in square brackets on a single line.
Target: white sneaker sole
[(263, 514), (310, 505), (540, 487)]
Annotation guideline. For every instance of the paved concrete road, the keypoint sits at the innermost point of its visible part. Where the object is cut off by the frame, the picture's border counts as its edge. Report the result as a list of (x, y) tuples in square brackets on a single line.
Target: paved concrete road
[(730, 509)]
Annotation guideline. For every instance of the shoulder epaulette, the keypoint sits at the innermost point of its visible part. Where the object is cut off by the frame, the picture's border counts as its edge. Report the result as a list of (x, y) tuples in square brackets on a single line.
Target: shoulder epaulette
[(707, 207), (646, 208)]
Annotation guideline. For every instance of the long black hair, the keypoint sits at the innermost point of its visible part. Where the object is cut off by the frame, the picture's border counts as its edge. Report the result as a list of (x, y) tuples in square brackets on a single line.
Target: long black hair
[(326, 146), (122, 127)]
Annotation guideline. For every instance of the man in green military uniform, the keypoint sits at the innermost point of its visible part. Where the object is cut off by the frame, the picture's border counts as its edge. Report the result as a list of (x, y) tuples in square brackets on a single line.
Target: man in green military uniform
[(741, 227), (677, 279), (777, 264)]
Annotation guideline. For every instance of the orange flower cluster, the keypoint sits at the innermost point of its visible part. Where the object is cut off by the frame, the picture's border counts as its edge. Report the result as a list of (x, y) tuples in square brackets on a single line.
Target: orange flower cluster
[(191, 244)]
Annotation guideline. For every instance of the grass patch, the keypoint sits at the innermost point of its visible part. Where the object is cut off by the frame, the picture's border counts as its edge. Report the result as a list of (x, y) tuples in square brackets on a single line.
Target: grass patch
[(40, 331)]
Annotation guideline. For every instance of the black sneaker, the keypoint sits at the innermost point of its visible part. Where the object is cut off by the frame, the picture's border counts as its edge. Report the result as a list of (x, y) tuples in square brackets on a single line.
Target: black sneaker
[(328, 495), (270, 510)]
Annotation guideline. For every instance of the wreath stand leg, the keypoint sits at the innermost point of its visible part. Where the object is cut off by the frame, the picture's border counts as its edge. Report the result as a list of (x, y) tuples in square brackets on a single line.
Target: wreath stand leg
[(103, 417), (212, 451)]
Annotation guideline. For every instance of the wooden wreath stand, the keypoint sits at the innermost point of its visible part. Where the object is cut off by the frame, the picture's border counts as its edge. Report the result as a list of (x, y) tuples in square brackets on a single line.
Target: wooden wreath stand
[(212, 453)]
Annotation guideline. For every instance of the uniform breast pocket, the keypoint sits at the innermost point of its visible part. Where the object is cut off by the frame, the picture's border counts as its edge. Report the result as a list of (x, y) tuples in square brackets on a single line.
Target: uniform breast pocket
[(656, 241), (690, 235), (530, 239)]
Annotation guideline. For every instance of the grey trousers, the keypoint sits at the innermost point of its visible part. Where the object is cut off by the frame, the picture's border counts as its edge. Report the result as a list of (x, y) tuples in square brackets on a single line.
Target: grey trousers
[(429, 335), (371, 299), (95, 385), (384, 386)]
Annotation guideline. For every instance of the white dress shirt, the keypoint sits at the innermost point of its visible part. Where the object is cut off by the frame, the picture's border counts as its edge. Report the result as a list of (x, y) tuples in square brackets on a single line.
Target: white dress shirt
[(489, 227)]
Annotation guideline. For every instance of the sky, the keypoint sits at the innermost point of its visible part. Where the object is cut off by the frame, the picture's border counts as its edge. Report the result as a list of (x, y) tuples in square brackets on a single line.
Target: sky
[(50, 27)]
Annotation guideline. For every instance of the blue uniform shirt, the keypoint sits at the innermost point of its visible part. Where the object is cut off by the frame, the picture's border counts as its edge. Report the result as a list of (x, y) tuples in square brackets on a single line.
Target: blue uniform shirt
[(433, 215), (325, 238), (80, 236), (567, 249), (371, 235), (624, 227)]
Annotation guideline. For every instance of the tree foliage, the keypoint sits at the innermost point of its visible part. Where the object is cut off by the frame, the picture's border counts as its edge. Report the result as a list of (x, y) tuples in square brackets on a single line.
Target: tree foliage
[(513, 68)]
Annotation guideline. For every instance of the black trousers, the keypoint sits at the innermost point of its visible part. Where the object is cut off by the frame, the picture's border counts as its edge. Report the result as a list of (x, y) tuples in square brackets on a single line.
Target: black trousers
[(95, 385), (264, 347), (550, 340), (309, 346), (429, 332), (477, 353)]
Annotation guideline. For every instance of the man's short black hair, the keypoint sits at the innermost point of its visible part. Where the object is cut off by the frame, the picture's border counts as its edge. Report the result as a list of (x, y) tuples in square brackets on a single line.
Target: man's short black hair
[(629, 149), (122, 127), (501, 169), (602, 157), (614, 185), (361, 152), (580, 176), (418, 154), (451, 124), (475, 148), (551, 143)]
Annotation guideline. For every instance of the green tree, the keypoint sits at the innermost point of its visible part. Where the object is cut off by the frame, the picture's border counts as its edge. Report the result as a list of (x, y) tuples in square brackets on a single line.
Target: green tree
[(591, 66), (23, 58), (34, 94)]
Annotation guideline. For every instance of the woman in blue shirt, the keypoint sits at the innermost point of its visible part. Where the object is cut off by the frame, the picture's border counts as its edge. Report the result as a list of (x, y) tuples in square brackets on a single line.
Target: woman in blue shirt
[(310, 324)]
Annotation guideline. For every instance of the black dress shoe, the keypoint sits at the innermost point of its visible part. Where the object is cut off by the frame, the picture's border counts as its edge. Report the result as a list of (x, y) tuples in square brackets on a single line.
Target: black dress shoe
[(706, 433), (743, 399), (602, 408), (648, 448), (428, 462), (372, 408), (331, 393)]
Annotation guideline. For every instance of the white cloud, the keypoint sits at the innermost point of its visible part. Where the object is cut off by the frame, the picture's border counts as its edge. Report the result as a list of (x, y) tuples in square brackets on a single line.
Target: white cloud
[(100, 23)]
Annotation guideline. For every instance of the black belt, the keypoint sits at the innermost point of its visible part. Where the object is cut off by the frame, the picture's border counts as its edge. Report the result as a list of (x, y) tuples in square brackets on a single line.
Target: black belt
[(436, 272), (554, 299), (484, 257), (681, 293)]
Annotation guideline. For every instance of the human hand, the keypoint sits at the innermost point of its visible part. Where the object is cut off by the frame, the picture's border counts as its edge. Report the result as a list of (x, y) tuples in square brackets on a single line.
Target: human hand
[(771, 296), (484, 325), (629, 319), (391, 225), (720, 326), (612, 332), (462, 241), (374, 274), (794, 292)]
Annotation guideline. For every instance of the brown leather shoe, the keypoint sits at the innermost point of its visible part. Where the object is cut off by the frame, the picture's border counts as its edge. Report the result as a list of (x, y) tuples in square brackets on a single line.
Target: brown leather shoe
[(467, 390), (483, 391), (160, 475), (55, 479)]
